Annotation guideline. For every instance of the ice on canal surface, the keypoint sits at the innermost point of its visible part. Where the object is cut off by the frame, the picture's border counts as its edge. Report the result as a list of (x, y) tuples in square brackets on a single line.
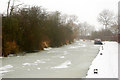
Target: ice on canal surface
[(68, 61)]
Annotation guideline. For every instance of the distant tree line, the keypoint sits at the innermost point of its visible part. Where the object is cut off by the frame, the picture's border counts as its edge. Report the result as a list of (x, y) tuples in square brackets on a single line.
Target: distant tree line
[(110, 23), (109, 31), (104, 35), (34, 28)]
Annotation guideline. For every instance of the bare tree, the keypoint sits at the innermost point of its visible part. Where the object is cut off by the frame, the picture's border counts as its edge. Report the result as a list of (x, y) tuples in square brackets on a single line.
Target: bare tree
[(106, 18), (12, 6), (8, 7), (85, 29)]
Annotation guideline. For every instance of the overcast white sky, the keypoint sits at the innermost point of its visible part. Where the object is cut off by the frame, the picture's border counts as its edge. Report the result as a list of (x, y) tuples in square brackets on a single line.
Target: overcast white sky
[(86, 10)]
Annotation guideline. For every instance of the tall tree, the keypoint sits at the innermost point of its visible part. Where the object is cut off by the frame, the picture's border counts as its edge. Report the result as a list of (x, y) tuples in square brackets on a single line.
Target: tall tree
[(106, 18)]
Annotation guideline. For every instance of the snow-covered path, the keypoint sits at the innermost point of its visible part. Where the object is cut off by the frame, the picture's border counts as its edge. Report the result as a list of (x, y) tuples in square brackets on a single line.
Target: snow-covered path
[(107, 63)]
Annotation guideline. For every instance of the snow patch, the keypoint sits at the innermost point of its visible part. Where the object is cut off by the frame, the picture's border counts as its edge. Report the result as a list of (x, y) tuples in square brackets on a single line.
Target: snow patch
[(62, 57), (39, 61), (51, 52), (35, 63), (48, 48), (38, 68), (66, 64), (29, 64), (5, 69), (80, 45)]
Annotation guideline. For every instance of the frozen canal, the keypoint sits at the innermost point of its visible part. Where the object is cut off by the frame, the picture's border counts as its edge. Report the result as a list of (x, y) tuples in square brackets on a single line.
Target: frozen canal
[(69, 61)]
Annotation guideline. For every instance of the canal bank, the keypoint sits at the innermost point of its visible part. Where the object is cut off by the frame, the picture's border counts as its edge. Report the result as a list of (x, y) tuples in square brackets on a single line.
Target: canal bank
[(105, 65)]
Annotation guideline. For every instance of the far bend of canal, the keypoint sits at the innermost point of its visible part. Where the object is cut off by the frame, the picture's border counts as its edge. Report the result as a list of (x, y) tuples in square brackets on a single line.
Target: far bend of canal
[(68, 61)]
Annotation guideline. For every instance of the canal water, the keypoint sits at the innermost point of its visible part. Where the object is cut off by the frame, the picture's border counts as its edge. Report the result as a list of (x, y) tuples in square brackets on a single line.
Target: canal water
[(68, 61)]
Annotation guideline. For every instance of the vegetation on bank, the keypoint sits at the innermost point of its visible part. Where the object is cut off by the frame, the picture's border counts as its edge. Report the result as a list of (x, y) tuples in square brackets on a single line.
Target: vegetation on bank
[(33, 28)]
